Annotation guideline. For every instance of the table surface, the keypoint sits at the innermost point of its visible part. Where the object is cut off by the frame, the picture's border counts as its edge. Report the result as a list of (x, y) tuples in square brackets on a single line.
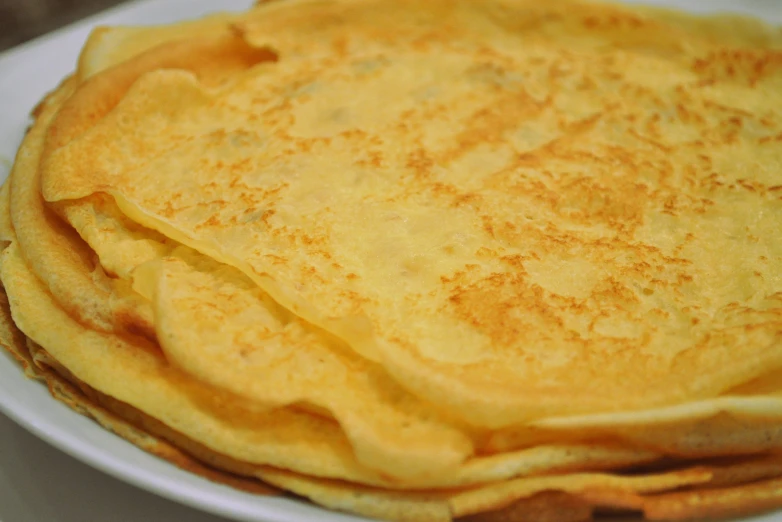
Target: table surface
[(41, 484), (22, 20)]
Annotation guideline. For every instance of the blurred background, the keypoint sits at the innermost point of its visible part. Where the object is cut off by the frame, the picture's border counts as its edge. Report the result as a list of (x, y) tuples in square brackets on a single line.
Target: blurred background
[(22, 20)]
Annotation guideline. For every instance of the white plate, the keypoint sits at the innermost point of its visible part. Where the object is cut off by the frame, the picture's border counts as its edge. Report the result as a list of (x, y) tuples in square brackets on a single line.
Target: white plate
[(38, 483)]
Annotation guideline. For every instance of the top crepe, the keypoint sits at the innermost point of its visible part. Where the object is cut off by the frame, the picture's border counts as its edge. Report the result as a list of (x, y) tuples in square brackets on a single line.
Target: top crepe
[(518, 211)]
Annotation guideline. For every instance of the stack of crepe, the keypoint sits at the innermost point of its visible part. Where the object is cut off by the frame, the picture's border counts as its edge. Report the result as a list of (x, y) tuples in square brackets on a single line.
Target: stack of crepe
[(495, 259)]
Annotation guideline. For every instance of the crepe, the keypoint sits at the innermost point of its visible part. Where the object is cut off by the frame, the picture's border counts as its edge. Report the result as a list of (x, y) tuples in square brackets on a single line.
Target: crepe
[(418, 261), (263, 438), (578, 232), (440, 446), (387, 504)]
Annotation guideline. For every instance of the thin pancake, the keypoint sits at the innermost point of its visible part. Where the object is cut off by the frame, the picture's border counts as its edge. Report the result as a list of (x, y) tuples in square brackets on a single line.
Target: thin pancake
[(218, 326), (98, 136), (441, 507), (245, 343), (440, 446), (134, 372), (17, 344), (132, 425), (426, 446), (588, 186), (125, 421), (735, 488), (566, 457), (712, 503), (743, 420), (6, 229)]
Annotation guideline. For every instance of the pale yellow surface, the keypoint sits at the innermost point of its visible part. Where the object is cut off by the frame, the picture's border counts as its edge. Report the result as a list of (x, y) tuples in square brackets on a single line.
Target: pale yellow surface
[(511, 210)]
